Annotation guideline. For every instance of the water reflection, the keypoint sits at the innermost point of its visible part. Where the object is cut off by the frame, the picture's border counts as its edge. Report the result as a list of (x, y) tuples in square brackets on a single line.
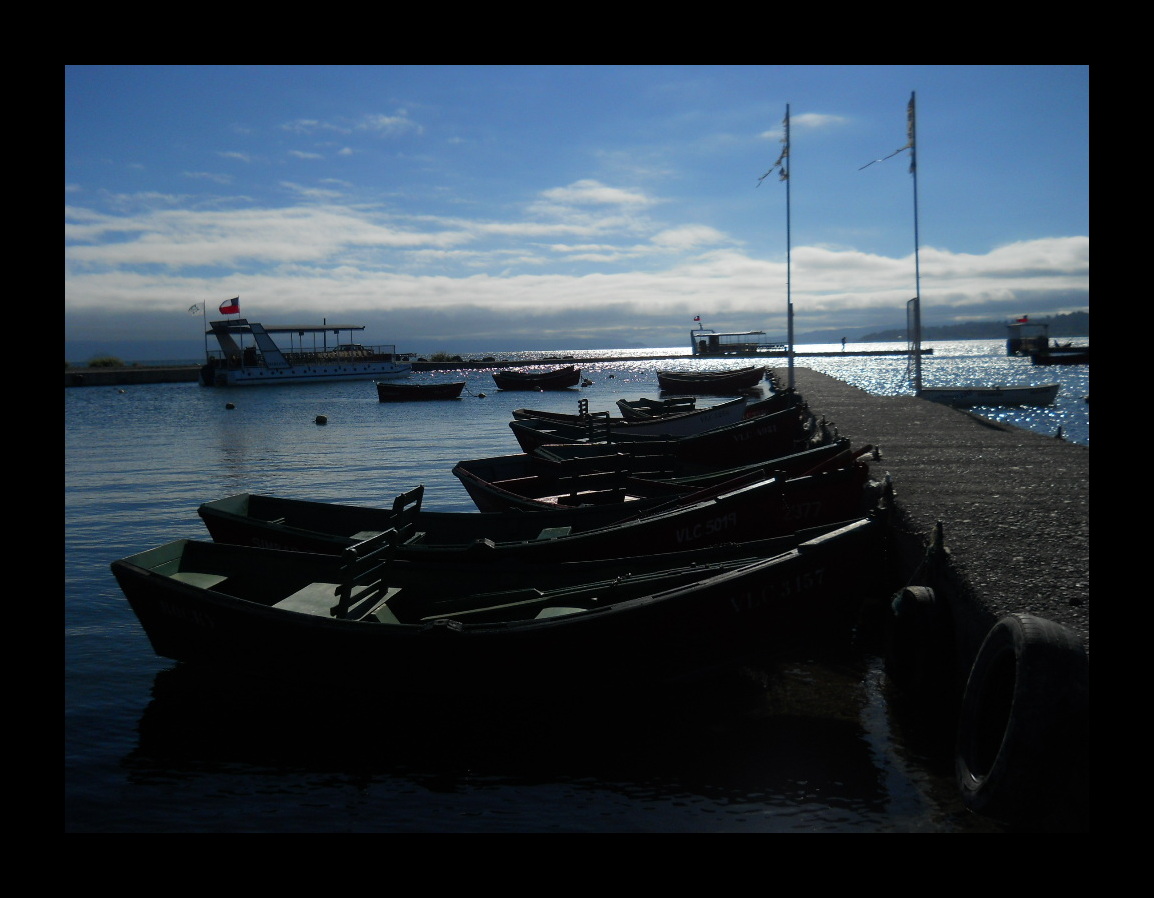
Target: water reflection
[(786, 745)]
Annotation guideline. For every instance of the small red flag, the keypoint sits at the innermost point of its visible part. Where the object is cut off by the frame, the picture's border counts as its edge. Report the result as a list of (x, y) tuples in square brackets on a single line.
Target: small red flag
[(230, 306), (1025, 319), (696, 317)]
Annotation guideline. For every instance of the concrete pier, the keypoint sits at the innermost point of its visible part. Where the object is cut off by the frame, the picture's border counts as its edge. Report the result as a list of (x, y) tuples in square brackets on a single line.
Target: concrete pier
[(1011, 506)]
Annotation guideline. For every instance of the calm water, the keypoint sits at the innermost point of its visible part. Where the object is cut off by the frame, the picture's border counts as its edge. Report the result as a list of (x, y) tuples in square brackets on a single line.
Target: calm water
[(813, 742)]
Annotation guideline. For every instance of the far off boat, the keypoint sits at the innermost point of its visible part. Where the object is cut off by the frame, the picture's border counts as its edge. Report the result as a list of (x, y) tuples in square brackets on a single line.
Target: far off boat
[(1024, 337), (972, 397), (705, 342), (248, 355)]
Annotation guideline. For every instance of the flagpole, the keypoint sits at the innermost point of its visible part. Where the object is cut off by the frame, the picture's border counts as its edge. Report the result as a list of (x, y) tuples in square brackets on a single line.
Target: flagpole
[(912, 114), (914, 318), (788, 250)]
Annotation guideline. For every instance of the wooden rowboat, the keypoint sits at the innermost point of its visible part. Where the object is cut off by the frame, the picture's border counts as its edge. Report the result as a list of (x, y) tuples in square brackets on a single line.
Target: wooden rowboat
[(749, 440), (409, 391), (720, 382), (970, 397), (558, 379), (766, 508), (532, 482), (364, 621), (683, 424)]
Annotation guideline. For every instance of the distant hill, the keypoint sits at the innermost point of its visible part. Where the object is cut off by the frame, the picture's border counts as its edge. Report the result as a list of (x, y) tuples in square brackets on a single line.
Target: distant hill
[(1075, 324)]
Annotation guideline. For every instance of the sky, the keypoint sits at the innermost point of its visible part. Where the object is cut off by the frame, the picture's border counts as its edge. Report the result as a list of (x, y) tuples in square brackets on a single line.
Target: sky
[(506, 207)]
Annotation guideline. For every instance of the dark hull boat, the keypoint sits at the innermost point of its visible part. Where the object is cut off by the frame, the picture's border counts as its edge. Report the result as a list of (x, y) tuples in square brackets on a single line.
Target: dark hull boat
[(749, 440), (688, 422), (364, 621), (766, 508), (646, 409), (650, 409), (414, 391), (970, 397), (658, 460), (1064, 355), (531, 482), (721, 382), (558, 379)]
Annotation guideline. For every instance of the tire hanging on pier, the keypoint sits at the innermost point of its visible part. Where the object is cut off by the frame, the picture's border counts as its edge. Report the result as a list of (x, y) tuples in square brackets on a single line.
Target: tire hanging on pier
[(920, 653), (1021, 749)]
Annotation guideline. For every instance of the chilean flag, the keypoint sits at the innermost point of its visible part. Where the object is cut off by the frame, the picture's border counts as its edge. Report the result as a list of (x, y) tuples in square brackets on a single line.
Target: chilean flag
[(696, 317), (230, 306)]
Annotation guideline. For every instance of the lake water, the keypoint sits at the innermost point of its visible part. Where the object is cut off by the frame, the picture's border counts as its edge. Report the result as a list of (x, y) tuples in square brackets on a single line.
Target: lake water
[(812, 741)]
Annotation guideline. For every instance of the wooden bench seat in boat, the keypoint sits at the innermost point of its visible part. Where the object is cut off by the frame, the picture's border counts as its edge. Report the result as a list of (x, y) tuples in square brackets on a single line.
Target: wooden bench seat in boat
[(197, 578), (361, 590)]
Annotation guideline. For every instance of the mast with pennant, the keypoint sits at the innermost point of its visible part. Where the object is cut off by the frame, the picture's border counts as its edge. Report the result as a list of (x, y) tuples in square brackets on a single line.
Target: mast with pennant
[(914, 306), (782, 168)]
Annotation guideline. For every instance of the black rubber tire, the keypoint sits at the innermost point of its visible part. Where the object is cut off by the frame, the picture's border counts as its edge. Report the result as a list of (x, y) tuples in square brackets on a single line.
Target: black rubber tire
[(1020, 750), (920, 651)]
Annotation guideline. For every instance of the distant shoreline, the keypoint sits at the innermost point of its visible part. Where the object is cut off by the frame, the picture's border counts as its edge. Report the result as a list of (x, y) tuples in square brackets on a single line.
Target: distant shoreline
[(142, 373)]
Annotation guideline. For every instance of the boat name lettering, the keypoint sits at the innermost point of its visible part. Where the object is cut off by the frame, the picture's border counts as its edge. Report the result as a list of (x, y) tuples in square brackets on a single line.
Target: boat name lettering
[(171, 609), (779, 590), (707, 528), (803, 511)]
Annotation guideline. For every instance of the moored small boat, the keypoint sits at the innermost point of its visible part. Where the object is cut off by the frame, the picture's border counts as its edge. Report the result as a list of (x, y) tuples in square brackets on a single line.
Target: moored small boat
[(410, 391), (768, 507), (744, 442), (1062, 355), (535, 482), (720, 382), (970, 397), (687, 422), (556, 379), (363, 620)]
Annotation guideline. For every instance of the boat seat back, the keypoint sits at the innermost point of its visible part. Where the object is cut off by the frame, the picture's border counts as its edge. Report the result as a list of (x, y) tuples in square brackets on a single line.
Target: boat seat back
[(406, 509)]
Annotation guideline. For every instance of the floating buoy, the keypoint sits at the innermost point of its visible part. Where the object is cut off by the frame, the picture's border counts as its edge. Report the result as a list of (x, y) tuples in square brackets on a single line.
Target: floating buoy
[(229, 405), (322, 419), (612, 375), (480, 395), (121, 391)]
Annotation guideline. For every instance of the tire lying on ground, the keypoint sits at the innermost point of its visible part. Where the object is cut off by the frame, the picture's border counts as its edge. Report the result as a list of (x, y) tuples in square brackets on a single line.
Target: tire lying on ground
[(1021, 745)]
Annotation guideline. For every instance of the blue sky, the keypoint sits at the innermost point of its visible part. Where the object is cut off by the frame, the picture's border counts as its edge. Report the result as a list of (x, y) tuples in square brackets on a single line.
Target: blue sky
[(522, 207)]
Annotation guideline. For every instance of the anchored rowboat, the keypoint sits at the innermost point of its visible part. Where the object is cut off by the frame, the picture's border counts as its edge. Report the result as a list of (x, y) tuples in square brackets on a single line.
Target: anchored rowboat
[(969, 397), (410, 391), (362, 620)]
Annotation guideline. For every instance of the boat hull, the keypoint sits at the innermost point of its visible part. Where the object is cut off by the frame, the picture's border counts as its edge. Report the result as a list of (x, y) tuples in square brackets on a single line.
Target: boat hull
[(1075, 356), (971, 397), (749, 440), (418, 392), (559, 379), (769, 507), (211, 376), (529, 482), (608, 630), (711, 383), (683, 424)]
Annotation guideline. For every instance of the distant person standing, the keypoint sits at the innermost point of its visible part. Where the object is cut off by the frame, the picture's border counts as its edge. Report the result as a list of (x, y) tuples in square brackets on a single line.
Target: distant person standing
[(843, 344)]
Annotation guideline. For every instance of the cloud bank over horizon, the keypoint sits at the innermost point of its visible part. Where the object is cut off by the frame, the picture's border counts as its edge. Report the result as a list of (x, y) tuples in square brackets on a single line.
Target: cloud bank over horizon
[(431, 226)]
